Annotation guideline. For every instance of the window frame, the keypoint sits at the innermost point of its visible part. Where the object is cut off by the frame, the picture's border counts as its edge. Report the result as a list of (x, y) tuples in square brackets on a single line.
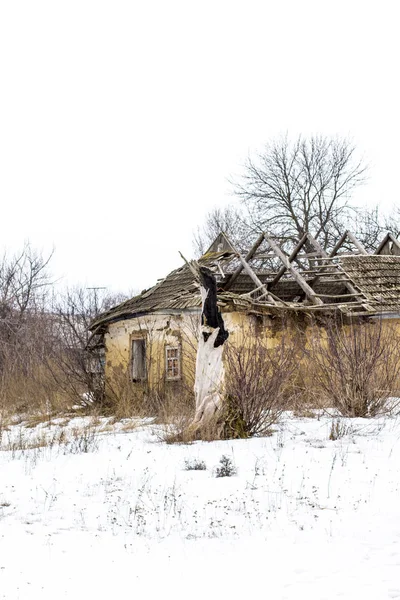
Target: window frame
[(141, 378), (178, 358)]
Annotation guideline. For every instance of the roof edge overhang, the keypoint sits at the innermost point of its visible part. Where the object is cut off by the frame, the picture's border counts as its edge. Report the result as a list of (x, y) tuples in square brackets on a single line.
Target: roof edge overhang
[(104, 323)]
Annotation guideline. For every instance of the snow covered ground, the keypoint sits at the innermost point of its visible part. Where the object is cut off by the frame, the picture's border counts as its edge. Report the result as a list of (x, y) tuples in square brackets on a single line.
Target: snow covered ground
[(102, 511)]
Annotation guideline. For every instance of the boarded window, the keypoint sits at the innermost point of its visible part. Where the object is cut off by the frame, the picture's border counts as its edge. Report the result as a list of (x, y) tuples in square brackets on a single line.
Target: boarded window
[(138, 360), (173, 362)]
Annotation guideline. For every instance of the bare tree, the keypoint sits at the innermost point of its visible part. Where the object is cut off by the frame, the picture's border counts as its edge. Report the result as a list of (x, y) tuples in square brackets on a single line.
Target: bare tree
[(78, 358), (24, 286), (305, 185), (292, 187), (231, 220), (22, 277), (369, 225), (24, 329), (48, 357)]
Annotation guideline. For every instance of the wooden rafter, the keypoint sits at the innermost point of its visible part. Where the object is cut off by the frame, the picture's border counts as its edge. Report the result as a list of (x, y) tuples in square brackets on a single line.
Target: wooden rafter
[(347, 234), (357, 244), (322, 265), (336, 276), (248, 257), (255, 279), (319, 251), (296, 275), (290, 259), (245, 265)]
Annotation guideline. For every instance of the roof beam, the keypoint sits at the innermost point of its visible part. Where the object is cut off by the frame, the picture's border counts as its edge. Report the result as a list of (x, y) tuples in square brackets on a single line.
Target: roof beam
[(338, 245), (248, 256), (292, 256), (296, 275), (245, 265), (357, 244), (255, 279), (353, 239), (318, 248), (339, 275)]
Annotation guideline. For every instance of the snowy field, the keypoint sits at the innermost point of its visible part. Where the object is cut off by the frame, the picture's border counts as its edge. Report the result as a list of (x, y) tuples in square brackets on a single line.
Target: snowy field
[(109, 511)]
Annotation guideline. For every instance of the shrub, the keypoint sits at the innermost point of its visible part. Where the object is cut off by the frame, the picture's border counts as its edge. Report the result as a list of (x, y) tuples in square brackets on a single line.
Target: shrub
[(226, 467), (195, 465), (356, 367), (258, 384)]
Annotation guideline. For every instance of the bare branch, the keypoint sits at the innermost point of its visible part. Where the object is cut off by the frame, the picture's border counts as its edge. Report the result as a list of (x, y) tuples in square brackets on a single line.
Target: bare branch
[(300, 186)]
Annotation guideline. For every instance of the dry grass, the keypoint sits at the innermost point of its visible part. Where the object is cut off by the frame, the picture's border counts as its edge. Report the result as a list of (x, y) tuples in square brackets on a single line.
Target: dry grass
[(174, 419), (75, 440), (339, 429), (123, 399), (129, 425), (23, 441), (33, 420), (33, 393)]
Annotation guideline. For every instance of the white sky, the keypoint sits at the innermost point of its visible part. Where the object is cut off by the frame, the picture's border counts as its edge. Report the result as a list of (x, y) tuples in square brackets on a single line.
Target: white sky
[(121, 121)]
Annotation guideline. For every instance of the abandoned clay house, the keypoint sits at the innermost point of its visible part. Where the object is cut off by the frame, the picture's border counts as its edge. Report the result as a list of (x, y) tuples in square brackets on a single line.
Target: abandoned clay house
[(152, 337)]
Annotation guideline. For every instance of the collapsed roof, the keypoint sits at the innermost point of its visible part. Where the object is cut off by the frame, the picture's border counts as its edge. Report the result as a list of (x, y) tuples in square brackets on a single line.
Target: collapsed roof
[(269, 279)]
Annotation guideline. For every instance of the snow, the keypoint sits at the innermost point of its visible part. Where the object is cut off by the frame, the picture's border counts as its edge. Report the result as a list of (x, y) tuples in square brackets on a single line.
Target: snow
[(304, 517)]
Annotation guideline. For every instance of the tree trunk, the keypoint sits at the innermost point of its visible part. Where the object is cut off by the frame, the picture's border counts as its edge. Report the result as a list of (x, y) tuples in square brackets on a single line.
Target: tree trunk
[(209, 379)]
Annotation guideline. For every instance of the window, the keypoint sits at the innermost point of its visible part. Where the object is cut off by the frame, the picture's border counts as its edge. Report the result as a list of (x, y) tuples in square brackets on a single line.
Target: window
[(172, 362), (138, 359)]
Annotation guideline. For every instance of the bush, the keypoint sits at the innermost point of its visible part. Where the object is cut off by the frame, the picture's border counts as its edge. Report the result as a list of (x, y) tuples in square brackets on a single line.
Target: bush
[(226, 467), (356, 367), (195, 465), (258, 384)]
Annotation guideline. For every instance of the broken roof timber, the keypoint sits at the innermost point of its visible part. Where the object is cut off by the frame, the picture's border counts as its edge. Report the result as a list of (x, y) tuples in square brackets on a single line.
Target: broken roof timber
[(290, 258), (248, 257), (347, 234), (357, 282), (296, 275), (245, 265)]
